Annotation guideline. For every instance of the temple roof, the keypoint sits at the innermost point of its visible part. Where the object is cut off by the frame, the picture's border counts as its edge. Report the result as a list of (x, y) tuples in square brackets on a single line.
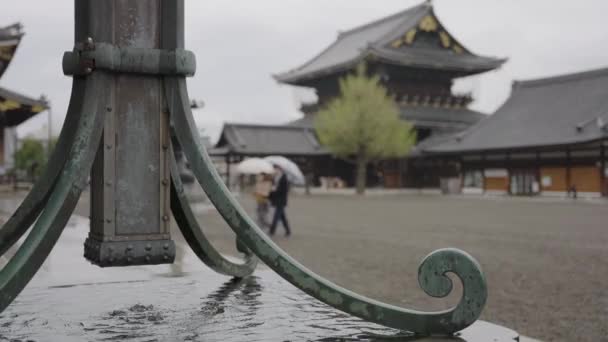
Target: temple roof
[(432, 117), (423, 116), (411, 38), (16, 108), (10, 37), (549, 112), (265, 140)]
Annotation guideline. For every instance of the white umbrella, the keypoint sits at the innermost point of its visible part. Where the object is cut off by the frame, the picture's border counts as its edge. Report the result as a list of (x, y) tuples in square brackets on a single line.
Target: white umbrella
[(254, 166), (291, 169)]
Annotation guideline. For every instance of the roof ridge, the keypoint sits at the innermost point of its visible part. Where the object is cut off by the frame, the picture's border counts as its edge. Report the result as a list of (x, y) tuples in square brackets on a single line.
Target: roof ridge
[(344, 52), (22, 97), (576, 76), (407, 23), (356, 29), (13, 31), (385, 19), (253, 125), (312, 60)]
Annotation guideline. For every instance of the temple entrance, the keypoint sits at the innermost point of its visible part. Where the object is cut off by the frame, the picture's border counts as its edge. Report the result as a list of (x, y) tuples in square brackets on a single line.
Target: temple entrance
[(524, 182)]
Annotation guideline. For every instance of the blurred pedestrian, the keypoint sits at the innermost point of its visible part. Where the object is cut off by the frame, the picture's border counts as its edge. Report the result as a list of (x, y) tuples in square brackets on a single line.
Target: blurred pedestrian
[(263, 187), (278, 198)]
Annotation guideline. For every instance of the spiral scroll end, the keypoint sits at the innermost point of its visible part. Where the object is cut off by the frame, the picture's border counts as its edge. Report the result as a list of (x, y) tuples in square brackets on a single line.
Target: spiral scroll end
[(433, 279)]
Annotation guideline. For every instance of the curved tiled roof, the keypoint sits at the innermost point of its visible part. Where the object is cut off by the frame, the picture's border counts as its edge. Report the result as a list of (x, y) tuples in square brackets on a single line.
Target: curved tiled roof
[(10, 37), (422, 116), (429, 116), (265, 140), (306, 121), (556, 111), (16, 108), (374, 39)]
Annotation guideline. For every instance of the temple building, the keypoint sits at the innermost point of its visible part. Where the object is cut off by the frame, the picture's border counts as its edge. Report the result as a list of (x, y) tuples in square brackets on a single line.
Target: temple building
[(14, 107), (549, 138), (417, 59), (240, 141)]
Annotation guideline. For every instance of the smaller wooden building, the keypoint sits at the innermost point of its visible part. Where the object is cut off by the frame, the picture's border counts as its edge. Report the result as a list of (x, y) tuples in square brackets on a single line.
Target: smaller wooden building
[(549, 138), (240, 141)]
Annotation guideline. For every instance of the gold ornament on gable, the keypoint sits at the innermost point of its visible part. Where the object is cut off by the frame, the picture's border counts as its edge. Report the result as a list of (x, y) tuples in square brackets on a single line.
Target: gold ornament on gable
[(410, 36), (7, 105), (407, 39), (429, 24), (37, 109), (6, 53), (446, 40)]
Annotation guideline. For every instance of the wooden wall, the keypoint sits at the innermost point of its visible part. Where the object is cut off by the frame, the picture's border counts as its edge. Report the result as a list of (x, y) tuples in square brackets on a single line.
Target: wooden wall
[(558, 177), (496, 183), (392, 179), (586, 179)]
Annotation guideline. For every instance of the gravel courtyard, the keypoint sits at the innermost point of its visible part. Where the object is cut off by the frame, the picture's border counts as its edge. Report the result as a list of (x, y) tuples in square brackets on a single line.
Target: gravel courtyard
[(546, 261)]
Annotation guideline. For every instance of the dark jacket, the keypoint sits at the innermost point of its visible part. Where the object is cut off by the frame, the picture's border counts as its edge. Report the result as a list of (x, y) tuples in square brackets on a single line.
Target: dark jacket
[(279, 196)]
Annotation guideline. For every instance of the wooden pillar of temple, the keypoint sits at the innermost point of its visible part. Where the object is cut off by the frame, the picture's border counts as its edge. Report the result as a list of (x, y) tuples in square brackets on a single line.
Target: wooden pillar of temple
[(509, 168), (2, 146), (228, 160), (537, 168), (400, 173), (603, 169), (568, 171), (483, 178)]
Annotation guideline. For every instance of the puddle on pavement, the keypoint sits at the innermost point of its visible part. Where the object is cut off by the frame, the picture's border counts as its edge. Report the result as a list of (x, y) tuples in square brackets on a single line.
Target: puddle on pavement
[(201, 307), (72, 300)]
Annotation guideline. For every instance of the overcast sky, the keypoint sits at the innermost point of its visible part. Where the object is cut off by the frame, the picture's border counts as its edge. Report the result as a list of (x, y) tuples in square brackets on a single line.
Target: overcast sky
[(240, 44)]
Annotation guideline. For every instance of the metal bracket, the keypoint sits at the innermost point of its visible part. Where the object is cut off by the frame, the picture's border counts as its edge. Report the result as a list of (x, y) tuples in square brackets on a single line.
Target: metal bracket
[(129, 253), (90, 56)]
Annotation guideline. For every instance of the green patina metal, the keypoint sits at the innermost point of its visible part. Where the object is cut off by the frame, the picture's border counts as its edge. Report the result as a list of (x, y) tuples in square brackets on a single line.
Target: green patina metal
[(45, 233), (34, 202), (104, 56), (186, 221), (96, 66), (432, 273)]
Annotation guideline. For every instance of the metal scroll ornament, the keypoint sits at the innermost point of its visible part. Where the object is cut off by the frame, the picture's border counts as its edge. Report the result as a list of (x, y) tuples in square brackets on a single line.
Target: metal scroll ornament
[(54, 197)]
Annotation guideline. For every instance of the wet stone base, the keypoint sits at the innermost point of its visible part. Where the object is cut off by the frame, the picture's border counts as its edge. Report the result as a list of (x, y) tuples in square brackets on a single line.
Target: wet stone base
[(194, 307), (72, 300)]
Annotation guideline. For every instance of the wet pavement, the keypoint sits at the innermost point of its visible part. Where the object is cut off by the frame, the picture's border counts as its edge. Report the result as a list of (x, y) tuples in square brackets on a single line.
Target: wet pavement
[(546, 261), (72, 300)]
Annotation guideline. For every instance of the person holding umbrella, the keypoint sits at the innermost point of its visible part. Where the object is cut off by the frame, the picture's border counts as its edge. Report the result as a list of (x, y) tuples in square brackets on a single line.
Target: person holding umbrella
[(278, 198), (263, 170), (263, 187), (291, 169)]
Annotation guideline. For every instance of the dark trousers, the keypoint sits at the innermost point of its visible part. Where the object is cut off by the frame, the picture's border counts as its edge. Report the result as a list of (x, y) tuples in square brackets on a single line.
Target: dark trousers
[(279, 214)]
